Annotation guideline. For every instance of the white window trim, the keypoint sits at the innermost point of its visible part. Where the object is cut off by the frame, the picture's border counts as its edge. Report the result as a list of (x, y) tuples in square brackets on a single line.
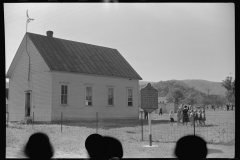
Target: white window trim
[(64, 84), (85, 88), (127, 96), (113, 96)]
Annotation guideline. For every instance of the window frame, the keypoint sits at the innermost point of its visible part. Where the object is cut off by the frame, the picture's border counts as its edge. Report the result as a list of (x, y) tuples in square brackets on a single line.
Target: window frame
[(85, 95), (63, 104), (129, 88), (110, 105)]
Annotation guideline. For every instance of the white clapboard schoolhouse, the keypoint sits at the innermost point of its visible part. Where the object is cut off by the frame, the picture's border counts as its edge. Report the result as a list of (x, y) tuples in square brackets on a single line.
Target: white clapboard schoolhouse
[(49, 76)]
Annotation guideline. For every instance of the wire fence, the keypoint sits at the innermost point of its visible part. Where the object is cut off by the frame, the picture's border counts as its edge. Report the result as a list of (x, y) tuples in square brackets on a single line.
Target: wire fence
[(219, 127)]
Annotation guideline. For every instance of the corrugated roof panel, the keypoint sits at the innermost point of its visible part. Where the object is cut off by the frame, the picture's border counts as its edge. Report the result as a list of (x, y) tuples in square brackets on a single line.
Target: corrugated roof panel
[(127, 64), (84, 57), (41, 49), (78, 59), (77, 63), (56, 59), (92, 62), (129, 69), (115, 64), (108, 61), (65, 55), (71, 57), (101, 62), (118, 63), (39, 43), (81, 57), (60, 55), (100, 65)]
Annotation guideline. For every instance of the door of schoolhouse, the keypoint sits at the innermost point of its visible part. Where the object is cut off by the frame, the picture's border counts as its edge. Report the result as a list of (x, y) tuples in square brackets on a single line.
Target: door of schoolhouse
[(27, 103)]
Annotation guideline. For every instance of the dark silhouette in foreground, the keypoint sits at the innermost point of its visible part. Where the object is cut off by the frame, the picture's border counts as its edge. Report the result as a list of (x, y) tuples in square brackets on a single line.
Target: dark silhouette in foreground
[(103, 147), (39, 147), (114, 148), (191, 147)]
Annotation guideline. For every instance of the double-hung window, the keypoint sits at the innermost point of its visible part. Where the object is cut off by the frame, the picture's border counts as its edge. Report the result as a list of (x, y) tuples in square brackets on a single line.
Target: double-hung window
[(130, 97), (110, 96), (89, 96), (64, 94)]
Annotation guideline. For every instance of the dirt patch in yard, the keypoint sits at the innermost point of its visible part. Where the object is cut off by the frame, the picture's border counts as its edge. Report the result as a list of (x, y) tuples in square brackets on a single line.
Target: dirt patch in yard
[(70, 142)]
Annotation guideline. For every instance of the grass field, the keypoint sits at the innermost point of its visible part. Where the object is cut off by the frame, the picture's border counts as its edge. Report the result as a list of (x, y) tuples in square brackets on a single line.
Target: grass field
[(219, 133)]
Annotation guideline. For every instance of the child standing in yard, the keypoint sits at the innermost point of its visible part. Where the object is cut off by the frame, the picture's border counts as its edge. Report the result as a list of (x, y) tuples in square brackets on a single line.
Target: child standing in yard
[(191, 118), (203, 118), (200, 117), (196, 117), (185, 116), (171, 116), (179, 116)]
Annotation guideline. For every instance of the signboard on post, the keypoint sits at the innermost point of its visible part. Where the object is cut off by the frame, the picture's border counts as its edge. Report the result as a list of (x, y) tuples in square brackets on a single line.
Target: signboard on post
[(149, 102), (149, 98)]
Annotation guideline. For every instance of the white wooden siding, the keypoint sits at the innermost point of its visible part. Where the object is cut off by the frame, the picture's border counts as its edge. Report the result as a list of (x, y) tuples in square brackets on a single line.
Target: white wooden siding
[(76, 99), (40, 84)]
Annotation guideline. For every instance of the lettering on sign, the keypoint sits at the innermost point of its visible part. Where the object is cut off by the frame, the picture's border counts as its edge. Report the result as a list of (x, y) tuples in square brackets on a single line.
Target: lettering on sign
[(149, 97)]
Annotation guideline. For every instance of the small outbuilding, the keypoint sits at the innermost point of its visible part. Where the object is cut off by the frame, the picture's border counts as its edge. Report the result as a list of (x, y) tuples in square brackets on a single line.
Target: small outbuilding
[(171, 106)]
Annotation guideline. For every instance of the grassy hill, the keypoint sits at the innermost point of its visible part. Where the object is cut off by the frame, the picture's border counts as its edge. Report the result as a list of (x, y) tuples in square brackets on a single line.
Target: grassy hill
[(200, 85), (203, 86)]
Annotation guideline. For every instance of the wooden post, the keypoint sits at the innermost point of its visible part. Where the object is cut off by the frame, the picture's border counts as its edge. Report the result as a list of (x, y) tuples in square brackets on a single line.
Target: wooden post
[(33, 119), (194, 124), (97, 122), (150, 132), (61, 120), (7, 118), (142, 123)]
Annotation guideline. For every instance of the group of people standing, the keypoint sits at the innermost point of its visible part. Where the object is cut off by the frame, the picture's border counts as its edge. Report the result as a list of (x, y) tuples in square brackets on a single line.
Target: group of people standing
[(186, 115)]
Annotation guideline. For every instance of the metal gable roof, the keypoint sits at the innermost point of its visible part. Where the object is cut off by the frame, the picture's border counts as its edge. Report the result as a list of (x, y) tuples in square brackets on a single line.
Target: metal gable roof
[(77, 57)]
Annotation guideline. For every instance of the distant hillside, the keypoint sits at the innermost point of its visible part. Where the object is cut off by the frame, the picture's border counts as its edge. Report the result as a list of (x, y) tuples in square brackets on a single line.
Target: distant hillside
[(164, 87), (203, 86), (186, 86)]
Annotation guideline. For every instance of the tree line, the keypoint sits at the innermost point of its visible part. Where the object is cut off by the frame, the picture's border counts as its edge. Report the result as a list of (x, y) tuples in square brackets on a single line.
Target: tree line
[(180, 93)]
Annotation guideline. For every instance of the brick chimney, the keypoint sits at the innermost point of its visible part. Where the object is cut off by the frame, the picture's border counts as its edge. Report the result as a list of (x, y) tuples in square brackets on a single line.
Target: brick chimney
[(50, 33)]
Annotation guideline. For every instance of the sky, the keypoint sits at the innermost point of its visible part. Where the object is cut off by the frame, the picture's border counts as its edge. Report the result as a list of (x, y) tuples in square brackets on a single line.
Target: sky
[(161, 41)]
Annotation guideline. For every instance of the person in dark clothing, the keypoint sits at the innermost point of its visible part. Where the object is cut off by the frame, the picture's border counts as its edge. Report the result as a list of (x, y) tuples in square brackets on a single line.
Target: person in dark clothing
[(185, 115), (114, 148), (103, 147), (181, 152), (160, 111), (227, 107), (95, 146), (39, 147), (145, 114)]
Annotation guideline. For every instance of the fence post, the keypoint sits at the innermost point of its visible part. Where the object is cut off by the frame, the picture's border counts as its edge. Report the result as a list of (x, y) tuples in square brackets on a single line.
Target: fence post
[(7, 118), (33, 119), (97, 122), (61, 120), (194, 125), (142, 124)]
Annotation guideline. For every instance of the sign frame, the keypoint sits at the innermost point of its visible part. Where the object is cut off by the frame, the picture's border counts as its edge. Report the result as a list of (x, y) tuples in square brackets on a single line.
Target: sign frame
[(149, 98)]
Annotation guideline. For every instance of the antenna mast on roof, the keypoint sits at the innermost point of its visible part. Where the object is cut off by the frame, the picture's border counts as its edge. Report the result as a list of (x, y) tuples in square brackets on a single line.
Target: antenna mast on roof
[(28, 20)]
